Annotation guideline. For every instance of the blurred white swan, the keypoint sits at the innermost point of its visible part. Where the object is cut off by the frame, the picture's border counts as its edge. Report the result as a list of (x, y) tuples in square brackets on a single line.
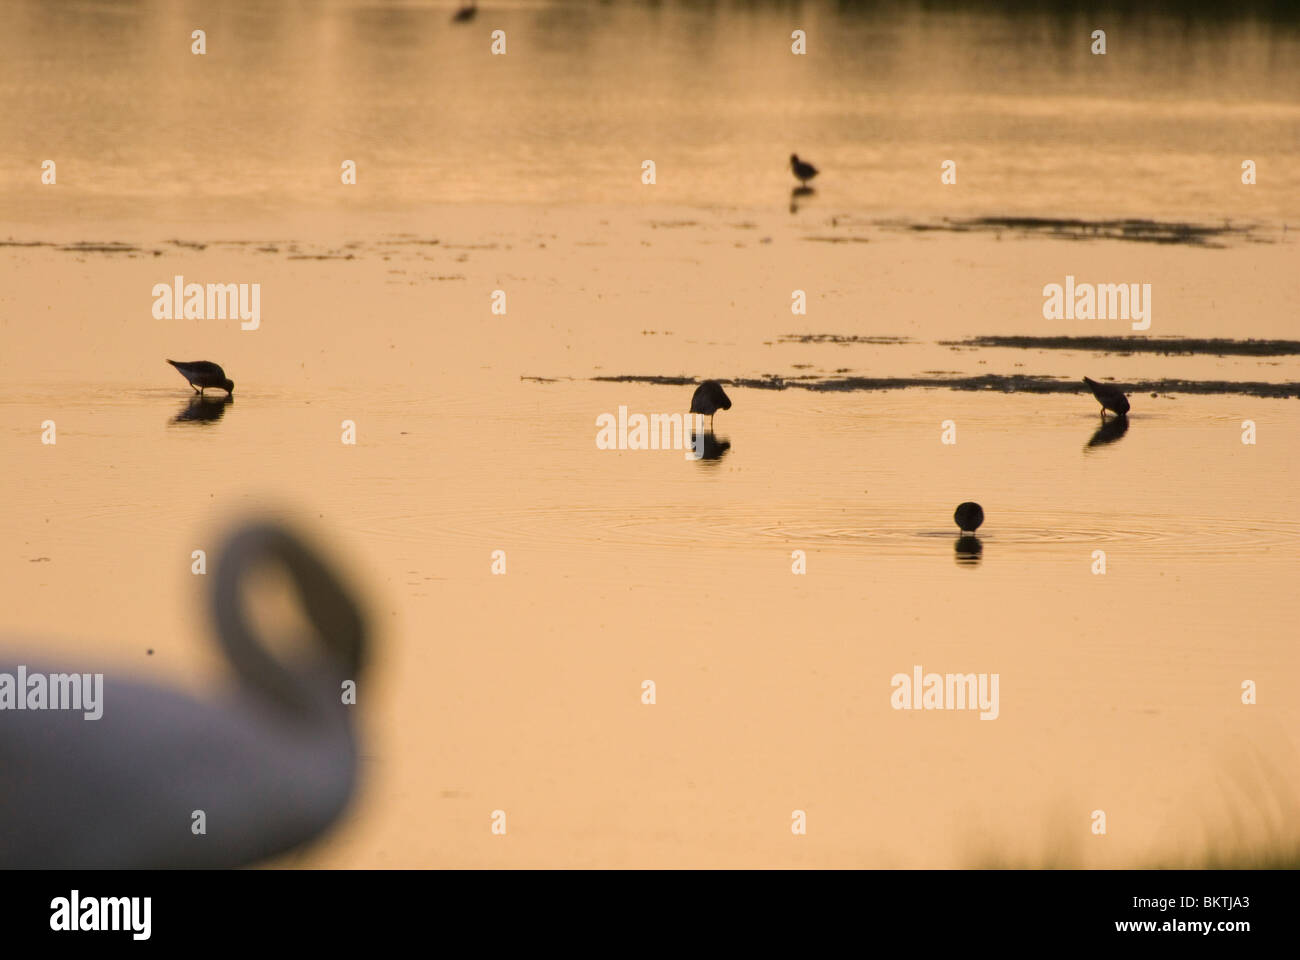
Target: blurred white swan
[(272, 763)]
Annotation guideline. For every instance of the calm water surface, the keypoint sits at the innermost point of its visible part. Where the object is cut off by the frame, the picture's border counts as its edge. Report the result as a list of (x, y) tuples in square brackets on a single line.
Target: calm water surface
[(587, 91), (476, 431)]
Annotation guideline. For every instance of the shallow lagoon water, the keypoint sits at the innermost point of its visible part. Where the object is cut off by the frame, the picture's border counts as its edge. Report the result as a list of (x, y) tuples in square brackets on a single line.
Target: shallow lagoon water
[(522, 692), (476, 433)]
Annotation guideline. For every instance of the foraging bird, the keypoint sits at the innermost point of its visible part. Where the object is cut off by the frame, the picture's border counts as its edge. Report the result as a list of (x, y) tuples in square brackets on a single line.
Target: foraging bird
[(969, 516), (803, 171), (1110, 397), (708, 399), (465, 13), (203, 374)]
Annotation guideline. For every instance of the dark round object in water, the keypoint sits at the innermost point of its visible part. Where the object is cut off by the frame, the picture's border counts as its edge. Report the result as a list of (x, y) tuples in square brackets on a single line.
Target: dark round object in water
[(969, 516)]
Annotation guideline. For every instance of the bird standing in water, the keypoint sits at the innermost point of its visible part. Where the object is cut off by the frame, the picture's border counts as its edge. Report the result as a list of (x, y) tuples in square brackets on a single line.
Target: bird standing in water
[(203, 374), (803, 171), (708, 399), (465, 13), (969, 516), (1110, 397)]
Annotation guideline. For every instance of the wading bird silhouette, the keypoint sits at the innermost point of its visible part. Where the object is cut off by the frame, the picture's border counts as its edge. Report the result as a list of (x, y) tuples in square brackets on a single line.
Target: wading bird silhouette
[(708, 399), (969, 516), (203, 374), (1110, 397), (803, 171)]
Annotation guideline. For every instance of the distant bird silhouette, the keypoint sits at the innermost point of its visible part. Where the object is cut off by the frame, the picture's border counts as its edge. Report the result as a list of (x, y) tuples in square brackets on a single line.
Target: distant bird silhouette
[(969, 516), (203, 374), (465, 13), (1110, 397), (803, 171), (709, 398)]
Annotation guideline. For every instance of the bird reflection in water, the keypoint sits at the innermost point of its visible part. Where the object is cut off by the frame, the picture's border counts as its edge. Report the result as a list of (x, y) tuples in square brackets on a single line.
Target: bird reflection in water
[(968, 549), (797, 194), (709, 446), (1109, 431), (203, 410)]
